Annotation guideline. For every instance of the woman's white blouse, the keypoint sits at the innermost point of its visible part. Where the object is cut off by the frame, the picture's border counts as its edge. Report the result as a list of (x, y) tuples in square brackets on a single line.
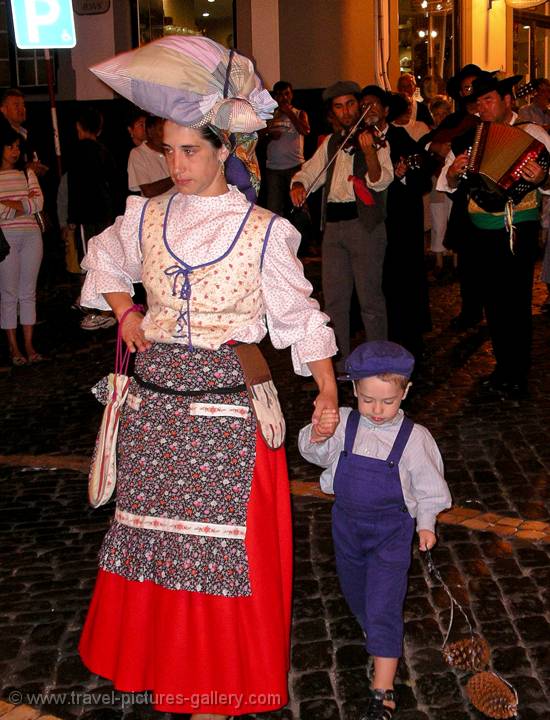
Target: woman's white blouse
[(200, 229)]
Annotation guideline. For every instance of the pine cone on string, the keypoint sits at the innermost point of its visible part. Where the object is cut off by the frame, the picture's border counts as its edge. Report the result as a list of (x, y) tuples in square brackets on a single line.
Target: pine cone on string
[(471, 653), (492, 696)]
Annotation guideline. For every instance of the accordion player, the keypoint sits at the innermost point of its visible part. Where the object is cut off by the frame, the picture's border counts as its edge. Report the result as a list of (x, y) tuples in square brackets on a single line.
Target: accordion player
[(496, 158)]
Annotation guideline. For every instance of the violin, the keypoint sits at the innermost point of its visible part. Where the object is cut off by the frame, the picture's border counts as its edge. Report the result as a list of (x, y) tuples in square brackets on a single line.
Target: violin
[(351, 143)]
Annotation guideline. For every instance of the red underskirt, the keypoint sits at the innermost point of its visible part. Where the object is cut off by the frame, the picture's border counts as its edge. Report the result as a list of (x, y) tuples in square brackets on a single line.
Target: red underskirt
[(204, 653)]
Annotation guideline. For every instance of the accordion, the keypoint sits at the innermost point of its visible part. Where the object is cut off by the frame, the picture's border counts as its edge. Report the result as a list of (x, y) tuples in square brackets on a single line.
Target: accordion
[(496, 158)]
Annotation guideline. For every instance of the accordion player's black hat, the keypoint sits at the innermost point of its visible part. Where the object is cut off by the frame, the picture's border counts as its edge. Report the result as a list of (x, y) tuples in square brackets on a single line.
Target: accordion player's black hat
[(487, 82), (453, 85)]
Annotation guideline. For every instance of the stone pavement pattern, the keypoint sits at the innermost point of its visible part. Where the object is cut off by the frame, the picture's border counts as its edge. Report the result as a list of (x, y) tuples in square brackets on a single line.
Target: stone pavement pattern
[(497, 459)]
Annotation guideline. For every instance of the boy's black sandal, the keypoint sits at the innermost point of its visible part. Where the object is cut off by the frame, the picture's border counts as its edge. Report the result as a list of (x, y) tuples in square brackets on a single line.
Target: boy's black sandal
[(376, 710)]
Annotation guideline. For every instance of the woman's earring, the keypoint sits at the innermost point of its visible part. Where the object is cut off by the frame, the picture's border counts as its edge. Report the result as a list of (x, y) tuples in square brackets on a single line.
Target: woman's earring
[(222, 167)]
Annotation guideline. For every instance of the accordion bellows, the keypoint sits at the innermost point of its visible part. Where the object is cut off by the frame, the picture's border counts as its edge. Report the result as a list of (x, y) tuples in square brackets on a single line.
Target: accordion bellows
[(498, 155)]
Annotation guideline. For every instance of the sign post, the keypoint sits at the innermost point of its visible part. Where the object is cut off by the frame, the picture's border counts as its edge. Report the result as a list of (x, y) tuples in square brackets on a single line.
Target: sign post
[(43, 25)]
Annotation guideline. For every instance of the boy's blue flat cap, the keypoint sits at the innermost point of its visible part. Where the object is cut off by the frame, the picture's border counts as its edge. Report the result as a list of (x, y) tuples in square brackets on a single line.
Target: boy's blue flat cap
[(377, 358)]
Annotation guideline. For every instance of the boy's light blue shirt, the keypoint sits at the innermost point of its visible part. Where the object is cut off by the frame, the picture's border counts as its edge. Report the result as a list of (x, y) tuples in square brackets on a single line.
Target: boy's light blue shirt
[(420, 469)]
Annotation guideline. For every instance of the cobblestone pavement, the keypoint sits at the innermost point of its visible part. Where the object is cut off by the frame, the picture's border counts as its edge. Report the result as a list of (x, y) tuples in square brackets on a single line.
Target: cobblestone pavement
[(497, 460)]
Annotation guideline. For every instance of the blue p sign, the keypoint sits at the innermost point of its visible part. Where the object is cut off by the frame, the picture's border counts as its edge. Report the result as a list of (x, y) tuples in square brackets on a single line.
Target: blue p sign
[(43, 24)]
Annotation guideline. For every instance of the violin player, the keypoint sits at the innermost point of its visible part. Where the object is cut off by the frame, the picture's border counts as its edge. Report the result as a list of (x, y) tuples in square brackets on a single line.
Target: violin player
[(404, 274), (353, 211)]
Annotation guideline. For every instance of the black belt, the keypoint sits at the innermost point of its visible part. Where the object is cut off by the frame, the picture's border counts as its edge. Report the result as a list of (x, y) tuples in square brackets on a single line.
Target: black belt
[(336, 212), (188, 393)]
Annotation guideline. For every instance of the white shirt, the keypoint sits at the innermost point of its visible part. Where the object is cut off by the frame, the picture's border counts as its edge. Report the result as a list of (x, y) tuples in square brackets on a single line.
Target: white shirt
[(420, 469), (145, 166), (200, 230), (341, 189)]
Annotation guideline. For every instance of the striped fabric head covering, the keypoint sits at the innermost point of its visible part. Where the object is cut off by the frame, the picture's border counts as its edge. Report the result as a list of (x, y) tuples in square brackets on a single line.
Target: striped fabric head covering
[(194, 81)]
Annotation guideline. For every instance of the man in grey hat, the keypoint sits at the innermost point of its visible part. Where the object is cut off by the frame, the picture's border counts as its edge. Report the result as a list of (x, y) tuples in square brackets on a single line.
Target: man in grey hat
[(505, 263), (353, 212)]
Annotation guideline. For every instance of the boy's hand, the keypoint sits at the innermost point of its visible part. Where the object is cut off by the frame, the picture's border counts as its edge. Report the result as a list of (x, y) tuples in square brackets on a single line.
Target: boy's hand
[(324, 427), (426, 540)]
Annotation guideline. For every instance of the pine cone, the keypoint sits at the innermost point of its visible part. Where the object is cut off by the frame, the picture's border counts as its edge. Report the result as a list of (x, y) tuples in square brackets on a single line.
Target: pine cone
[(492, 696), (472, 653)]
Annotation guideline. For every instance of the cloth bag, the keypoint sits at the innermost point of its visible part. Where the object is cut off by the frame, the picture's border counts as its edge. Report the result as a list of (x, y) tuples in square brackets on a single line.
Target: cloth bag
[(102, 476), (263, 394)]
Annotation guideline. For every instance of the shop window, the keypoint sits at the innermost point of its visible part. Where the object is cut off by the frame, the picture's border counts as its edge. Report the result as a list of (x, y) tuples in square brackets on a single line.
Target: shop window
[(210, 18), (428, 42), (532, 42)]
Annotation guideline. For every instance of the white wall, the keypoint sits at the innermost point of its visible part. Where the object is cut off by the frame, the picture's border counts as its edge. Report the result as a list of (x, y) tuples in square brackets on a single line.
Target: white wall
[(95, 41), (265, 39)]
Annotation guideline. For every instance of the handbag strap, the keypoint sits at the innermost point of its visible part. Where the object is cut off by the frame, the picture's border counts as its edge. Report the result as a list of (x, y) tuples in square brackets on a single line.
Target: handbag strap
[(122, 357)]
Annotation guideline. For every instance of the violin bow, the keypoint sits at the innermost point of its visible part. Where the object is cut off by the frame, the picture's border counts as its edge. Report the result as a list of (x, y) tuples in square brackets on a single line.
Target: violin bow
[(340, 147)]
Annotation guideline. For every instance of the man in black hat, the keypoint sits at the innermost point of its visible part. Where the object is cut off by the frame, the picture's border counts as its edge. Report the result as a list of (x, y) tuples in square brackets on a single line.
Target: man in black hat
[(504, 269), (354, 197), (460, 88), (404, 276)]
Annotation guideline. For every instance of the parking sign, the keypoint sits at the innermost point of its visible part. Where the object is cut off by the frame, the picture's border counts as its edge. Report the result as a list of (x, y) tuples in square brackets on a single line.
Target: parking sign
[(43, 24)]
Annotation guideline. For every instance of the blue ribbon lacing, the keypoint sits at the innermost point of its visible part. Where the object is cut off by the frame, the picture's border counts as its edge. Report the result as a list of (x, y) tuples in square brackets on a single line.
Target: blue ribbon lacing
[(177, 272)]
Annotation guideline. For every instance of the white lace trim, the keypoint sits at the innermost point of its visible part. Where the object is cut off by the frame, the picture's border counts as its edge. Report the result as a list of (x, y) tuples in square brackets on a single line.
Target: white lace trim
[(183, 527)]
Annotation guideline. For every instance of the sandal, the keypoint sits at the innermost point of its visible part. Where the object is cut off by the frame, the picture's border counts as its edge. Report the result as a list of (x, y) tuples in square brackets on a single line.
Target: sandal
[(18, 360), (36, 358), (376, 710)]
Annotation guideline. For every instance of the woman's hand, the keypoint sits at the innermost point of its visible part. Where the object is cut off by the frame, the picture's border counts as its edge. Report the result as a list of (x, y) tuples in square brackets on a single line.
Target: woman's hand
[(16, 205), (426, 540), (132, 333), (326, 401)]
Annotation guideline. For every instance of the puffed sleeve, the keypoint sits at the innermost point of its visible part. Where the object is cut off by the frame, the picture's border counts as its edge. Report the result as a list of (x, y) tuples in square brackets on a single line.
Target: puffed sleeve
[(113, 260), (293, 316)]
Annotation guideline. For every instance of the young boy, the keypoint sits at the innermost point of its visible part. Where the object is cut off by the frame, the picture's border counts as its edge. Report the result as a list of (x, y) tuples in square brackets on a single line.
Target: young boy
[(385, 472)]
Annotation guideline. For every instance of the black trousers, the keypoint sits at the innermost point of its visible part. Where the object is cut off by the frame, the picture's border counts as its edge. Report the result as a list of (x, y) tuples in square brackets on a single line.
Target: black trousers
[(505, 280)]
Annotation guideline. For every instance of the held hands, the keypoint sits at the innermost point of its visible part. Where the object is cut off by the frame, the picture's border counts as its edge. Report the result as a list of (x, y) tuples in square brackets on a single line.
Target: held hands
[(325, 419), (133, 335), (426, 540)]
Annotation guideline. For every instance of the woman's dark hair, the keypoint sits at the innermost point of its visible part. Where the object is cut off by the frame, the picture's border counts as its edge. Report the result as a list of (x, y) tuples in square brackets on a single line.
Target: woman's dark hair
[(8, 136), (208, 134), (91, 120)]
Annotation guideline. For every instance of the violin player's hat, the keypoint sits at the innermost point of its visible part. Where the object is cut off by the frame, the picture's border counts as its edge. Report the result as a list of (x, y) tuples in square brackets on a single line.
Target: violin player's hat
[(342, 87), (487, 82)]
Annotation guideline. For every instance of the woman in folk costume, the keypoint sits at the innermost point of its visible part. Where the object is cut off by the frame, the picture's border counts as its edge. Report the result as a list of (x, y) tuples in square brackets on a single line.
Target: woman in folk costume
[(192, 599)]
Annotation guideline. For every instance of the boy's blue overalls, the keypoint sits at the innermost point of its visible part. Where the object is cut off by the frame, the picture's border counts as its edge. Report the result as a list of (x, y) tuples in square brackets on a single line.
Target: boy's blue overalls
[(372, 532)]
